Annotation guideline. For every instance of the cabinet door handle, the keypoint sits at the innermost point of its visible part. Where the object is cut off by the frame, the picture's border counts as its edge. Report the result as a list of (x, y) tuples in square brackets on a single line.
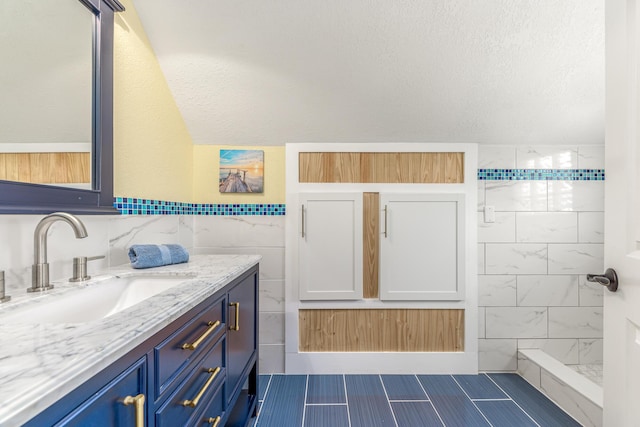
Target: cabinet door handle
[(236, 327), (212, 375), (213, 421), (138, 402), (303, 224), (211, 327), (385, 220)]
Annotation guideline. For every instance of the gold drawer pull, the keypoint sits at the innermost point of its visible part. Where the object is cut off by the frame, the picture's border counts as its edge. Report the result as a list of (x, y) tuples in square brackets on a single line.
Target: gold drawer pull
[(138, 401), (192, 403), (237, 325), (211, 327), (213, 421)]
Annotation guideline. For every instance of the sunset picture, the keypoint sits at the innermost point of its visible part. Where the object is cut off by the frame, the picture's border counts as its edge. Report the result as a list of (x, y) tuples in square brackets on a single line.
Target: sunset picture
[(241, 171)]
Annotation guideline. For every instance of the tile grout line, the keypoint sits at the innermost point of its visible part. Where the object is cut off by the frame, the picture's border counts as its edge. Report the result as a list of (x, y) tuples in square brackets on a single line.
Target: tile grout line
[(266, 390), (388, 401), (470, 400), (512, 399), (432, 405), (346, 398), (304, 403)]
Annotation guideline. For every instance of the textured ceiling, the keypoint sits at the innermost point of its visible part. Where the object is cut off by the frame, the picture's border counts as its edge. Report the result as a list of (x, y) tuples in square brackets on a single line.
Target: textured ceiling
[(267, 72)]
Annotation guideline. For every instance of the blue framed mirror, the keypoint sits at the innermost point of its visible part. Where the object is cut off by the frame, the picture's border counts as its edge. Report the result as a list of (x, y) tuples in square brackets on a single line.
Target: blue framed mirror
[(56, 143)]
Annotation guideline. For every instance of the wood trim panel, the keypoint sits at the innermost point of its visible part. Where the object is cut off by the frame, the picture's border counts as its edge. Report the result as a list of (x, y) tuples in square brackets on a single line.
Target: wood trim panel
[(371, 244), (46, 168), (379, 330), (392, 168)]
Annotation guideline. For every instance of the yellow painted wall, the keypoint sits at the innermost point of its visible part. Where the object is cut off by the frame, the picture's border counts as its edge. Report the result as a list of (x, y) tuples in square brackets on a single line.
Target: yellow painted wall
[(206, 165), (153, 151)]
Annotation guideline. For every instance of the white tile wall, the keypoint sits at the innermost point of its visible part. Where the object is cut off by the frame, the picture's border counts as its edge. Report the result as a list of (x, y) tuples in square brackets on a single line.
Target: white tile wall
[(547, 290), (498, 290), (515, 258), (546, 157), (591, 227), (502, 230), (516, 322), (516, 195), (591, 157), (538, 227), (555, 240), (498, 355), (576, 196)]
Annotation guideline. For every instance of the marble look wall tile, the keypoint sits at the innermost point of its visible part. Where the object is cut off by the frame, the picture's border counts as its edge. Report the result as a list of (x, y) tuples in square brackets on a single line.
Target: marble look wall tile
[(186, 227), (271, 328), (272, 296), (271, 265), (481, 186), (496, 290), (481, 322), (581, 258), (564, 350), (547, 157), (516, 195), (481, 258), (547, 290), (578, 406), (496, 157), (575, 322), (528, 370), (240, 231), (591, 294), (516, 258), (497, 355), (502, 230), (271, 359), (591, 351), (547, 227), (127, 230), (591, 227), (516, 322), (576, 196), (591, 157)]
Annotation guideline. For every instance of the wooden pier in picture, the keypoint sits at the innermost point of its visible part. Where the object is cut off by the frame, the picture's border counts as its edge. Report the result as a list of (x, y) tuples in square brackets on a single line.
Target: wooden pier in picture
[(234, 182)]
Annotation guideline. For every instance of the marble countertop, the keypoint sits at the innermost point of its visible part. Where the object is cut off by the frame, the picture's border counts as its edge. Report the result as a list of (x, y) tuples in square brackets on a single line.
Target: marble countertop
[(41, 363)]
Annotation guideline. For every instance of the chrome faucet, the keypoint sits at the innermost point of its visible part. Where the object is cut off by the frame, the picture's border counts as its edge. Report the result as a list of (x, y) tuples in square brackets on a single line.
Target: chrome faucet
[(40, 268)]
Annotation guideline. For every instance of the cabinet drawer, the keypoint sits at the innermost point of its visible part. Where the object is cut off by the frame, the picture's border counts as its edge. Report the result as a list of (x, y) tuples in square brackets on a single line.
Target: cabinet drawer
[(174, 354), (200, 385), (209, 416), (106, 407)]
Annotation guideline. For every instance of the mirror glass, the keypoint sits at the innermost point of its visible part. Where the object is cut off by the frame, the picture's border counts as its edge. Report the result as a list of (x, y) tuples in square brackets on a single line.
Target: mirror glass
[(46, 87)]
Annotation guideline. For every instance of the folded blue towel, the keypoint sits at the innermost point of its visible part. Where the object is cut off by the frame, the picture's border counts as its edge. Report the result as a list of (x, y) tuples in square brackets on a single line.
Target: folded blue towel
[(146, 256)]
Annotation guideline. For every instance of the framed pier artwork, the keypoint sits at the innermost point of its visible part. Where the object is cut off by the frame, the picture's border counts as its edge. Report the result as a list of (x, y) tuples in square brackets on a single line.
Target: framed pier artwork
[(241, 171)]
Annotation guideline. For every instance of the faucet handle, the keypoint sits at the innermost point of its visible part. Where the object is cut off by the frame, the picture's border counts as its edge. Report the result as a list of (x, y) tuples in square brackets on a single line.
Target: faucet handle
[(80, 268)]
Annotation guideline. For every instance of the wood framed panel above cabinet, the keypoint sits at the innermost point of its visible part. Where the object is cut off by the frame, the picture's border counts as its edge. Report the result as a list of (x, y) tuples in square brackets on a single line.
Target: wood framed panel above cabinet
[(377, 167)]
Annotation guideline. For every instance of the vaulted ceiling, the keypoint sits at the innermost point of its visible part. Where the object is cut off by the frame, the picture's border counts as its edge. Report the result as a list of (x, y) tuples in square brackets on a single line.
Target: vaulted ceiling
[(267, 72)]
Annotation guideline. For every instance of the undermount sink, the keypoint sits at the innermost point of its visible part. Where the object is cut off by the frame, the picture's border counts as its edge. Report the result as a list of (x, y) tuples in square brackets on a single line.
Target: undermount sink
[(95, 301)]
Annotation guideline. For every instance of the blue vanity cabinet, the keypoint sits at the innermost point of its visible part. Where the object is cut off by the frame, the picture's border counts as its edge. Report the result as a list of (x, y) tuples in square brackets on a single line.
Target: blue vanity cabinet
[(215, 382), (242, 362)]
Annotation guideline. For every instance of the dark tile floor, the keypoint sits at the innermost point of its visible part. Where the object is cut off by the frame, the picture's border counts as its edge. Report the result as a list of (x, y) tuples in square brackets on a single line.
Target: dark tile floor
[(404, 401)]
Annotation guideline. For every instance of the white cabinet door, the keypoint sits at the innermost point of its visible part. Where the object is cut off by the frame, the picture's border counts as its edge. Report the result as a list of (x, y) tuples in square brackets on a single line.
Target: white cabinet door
[(422, 247), (330, 246)]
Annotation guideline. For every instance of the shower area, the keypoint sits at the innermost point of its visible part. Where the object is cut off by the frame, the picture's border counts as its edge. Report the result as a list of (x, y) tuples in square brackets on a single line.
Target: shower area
[(540, 233)]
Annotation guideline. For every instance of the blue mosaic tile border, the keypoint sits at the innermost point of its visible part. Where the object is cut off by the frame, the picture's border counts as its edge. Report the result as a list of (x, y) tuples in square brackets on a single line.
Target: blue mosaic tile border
[(541, 174), (135, 206)]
